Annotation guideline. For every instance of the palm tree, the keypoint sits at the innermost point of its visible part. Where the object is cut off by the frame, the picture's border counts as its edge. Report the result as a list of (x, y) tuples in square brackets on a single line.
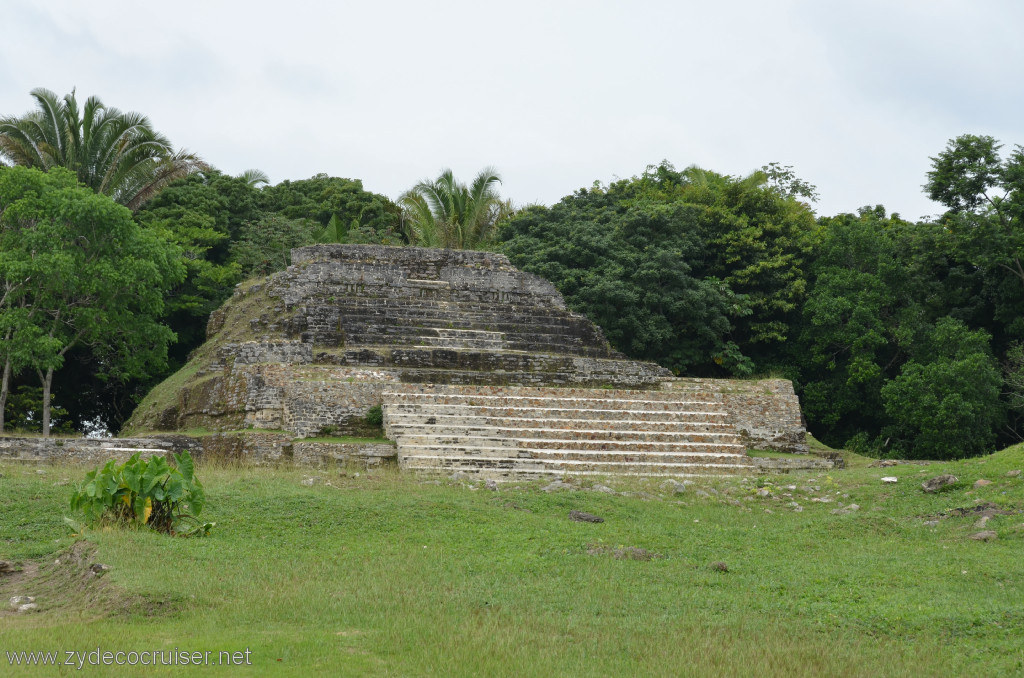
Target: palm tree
[(254, 178), (114, 153), (447, 213)]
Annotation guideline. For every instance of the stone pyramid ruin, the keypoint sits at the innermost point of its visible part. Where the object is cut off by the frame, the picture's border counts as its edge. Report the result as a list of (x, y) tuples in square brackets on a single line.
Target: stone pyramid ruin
[(477, 367)]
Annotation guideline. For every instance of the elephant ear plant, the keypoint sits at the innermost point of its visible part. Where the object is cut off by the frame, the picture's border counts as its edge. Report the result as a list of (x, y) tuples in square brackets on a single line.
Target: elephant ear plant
[(168, 498)]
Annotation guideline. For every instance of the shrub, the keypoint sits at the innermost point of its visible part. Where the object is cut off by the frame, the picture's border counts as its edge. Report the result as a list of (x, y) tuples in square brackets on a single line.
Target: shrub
[(375, 416), (144, 492), (945, 402)]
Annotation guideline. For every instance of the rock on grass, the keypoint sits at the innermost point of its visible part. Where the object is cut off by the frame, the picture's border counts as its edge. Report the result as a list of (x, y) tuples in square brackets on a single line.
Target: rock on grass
[(583, 517), (938, 482), (987, 535)]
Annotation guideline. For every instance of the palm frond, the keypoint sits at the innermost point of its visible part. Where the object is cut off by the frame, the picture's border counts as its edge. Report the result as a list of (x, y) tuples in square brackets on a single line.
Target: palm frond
[(254, 177)]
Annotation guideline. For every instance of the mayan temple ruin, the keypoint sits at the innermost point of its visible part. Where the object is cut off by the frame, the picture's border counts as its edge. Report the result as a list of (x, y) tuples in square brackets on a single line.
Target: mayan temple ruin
[(477, 367)]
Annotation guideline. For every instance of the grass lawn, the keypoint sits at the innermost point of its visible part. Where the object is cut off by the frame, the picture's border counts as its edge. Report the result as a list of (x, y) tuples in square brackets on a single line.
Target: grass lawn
[(392, 574)]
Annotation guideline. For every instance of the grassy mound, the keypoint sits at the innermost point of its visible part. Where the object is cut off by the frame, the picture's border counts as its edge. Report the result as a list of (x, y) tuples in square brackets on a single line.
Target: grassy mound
[(388, 574), (233, 324)]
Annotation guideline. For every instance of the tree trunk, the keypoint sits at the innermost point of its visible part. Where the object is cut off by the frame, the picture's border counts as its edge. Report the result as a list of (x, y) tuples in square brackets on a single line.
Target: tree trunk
[(4, 388), (47, 381)]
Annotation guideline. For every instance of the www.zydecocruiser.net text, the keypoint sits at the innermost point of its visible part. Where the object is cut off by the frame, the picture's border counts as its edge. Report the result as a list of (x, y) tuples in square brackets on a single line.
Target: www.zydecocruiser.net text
[(101, 657)]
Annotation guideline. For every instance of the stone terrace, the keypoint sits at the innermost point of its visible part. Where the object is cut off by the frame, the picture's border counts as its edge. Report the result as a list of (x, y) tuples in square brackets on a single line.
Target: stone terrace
[(308, 351), (517, 432)]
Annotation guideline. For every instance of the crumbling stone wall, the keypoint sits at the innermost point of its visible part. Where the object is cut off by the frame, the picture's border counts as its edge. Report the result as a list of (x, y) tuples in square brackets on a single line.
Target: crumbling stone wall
[(87, 450), (766, 412), (250, 447)]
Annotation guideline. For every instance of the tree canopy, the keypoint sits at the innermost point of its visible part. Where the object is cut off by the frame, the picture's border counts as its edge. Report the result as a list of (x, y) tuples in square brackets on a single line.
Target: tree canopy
[(80, 272), (695, 270), (114, 153), (445, 212)]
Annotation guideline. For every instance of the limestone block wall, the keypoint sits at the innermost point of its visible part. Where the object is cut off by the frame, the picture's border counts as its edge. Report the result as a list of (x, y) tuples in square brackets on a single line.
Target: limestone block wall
[(248, 447), (313, 406), (412, 272), (314, 453), (254, 352), (87, 450), (766, 412)]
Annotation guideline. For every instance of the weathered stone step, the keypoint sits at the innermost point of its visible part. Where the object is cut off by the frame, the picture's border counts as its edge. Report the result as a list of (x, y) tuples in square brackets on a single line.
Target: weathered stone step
[(398, 335), (451, 332), (439, 427), (411, 422), (540, 453), (431, 392), (424, 309), (529, 413), (568, 466), (473, 342), (480, 444), (520, 320), (454, 433), (457, 317), (410, 340), (494, 367), (694, 415), (549, 403)]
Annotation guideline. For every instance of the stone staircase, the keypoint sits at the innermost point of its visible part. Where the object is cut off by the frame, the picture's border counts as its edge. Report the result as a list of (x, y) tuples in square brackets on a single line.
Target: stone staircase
[(480, 340), (522, 432)]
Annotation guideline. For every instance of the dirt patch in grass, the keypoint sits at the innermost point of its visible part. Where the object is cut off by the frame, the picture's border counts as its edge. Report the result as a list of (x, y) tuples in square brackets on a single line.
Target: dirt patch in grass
[(622, 552), (73, 582), (987, 509)]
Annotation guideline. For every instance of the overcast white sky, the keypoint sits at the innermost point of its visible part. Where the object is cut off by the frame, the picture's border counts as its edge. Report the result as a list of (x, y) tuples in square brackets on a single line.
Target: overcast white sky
[(856, 95)]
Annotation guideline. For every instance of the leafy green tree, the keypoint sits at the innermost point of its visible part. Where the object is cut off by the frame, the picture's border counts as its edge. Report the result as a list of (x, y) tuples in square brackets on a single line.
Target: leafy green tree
[(447, 213), (984, 195), (863, 314), (203, 214), (98, 279), (265, 246), (631, 270), (25, 408), (700, 272), (114, 153), (216, 220), (945, 402), (364, 216), (1013, 370)]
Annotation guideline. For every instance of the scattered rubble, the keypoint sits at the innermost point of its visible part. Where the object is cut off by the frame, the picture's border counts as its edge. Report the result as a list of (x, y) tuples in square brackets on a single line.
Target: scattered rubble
[(938, 482), (583, 517), (987, 535)]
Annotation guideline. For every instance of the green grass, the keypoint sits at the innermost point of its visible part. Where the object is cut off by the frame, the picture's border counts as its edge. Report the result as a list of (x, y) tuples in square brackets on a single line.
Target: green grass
[(773, 454), (390, 574)]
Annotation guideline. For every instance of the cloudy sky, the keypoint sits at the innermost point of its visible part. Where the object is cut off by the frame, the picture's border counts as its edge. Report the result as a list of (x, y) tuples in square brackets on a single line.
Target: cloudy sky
[(855, 95)]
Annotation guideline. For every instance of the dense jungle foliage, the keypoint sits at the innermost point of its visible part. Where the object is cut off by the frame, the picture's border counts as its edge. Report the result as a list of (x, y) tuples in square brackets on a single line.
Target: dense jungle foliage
[(903, 338)]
